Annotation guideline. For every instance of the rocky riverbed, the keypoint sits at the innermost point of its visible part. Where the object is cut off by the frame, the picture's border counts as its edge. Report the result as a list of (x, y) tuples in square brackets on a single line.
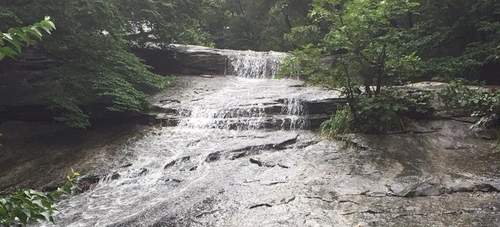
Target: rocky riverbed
[(241, 150), (206, 172)]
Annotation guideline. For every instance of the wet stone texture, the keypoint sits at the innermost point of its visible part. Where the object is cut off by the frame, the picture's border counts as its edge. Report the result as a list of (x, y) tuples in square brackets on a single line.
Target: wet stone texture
[(205, 173), (222, 166), (411, 180), (40, 154), (236, 103)]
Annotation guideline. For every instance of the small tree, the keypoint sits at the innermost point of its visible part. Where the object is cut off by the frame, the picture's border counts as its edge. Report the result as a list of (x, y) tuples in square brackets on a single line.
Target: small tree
[(366, 39), (368, 36)]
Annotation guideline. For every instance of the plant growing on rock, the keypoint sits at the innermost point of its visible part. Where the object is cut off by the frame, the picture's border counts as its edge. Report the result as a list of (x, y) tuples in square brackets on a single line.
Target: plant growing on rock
[(387, 112), (340, 123), (365, 42), (478, 101), (25, 206)]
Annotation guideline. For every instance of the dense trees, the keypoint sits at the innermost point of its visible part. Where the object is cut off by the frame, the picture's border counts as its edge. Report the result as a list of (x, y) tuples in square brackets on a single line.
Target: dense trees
[(93, 37), (458, 39), (260, 24), (411, 40), (372, 43), (91, 48), (378, 43)]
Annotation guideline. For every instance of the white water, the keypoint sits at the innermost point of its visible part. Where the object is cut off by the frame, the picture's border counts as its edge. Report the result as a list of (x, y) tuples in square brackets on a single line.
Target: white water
[(245, 104), (252, 64), (229, 108), (167, 167)]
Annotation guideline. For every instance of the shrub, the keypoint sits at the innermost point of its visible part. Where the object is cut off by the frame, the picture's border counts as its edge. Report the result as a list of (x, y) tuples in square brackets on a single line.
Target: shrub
[(340, 123), (480, 102), (381, 114), (25, 206), (387, 111)]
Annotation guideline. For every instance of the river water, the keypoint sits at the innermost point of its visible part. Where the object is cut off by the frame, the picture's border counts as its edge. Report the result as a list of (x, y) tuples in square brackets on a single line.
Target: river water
[(241, 153), (174, 175)]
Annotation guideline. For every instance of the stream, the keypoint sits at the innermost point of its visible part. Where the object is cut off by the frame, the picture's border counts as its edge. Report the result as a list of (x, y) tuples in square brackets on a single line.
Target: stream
[(242, 153), (236, 140)]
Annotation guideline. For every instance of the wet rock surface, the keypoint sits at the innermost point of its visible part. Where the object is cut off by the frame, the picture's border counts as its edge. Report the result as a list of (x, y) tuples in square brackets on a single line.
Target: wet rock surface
[(413, 180), (183, 59), (440, 174), (40, 155), (229, 151), (253, 104), (199, 60)]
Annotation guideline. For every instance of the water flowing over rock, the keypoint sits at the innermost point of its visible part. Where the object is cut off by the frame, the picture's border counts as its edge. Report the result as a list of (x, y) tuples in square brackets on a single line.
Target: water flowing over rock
[(196, 60), (236, 150), (251, 64), (236, 103)]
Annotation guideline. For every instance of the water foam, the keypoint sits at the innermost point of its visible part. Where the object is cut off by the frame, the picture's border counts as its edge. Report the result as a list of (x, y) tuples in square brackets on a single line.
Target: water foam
[(253, 64)]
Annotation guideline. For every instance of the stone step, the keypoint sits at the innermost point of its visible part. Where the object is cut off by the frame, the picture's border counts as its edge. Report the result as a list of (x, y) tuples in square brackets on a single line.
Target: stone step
[(277, 122)]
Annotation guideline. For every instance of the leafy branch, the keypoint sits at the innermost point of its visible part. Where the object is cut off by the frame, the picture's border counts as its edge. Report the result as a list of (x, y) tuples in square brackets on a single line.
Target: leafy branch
[(25, 206), (12, 41)]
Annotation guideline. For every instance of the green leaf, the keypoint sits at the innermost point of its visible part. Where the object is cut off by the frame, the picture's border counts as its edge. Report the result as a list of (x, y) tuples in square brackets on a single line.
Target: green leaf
[(9, 52), (23, 218), (3, 210), (28, 214), (33, 31), (46, 29), (38, 202), (47, 25), (7, 36), (39, 194), (48, 205), (21, 34), (48, 216)]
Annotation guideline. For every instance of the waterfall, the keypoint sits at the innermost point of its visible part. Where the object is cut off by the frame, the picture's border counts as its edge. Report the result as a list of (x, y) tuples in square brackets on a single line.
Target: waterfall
[(239, 107), (294, 109), (253, 64), (223, 121), (235, 106)]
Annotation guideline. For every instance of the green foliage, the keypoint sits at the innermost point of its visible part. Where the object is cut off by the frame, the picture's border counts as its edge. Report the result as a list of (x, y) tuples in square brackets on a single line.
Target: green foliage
[(456, 39), (482, 102), (165, 21), (304, 63), (339, 124), (302, 35), (91, 49), (383, 43), (12, 41), (72, 115), (365, 48), (394, 42), (25, 206), (260, 24), (390, 111), (362, 34)]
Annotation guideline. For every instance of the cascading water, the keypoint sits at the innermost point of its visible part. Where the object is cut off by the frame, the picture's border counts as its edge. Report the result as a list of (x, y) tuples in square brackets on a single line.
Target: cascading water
[(174, 175), (295, 111), (241, 112), (251, 71), (252, 64)]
